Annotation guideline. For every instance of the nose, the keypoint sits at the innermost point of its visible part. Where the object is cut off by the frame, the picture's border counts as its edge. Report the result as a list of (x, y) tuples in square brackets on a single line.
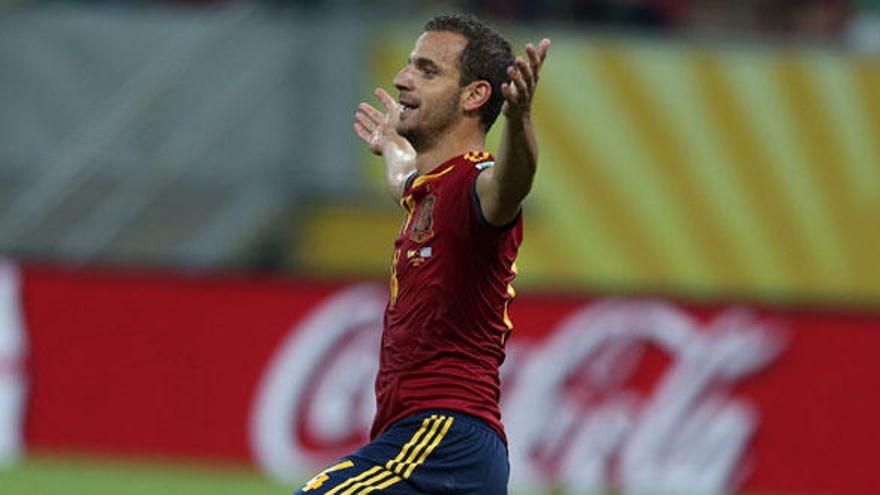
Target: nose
[(403, 79)]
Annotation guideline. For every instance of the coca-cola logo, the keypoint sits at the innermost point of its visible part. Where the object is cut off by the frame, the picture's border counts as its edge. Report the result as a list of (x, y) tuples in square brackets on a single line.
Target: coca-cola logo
[(576, 419), (580, 410)]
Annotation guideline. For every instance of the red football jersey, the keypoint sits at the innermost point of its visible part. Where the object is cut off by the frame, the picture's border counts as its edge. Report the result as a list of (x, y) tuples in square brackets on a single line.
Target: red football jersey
[(446, 321)]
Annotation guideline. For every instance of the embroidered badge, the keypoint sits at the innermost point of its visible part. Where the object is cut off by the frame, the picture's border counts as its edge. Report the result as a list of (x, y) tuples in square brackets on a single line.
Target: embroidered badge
[(423, 228)]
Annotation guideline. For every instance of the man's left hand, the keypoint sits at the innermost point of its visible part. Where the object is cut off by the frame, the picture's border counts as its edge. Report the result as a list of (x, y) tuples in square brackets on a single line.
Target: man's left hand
[(524, 75)]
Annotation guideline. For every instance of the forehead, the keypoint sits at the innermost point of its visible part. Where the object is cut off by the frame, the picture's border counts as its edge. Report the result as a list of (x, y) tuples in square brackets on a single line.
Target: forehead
[(442, 47)]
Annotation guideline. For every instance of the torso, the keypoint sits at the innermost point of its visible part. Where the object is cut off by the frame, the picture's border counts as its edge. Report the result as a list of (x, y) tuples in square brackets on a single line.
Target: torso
[(446, 322)]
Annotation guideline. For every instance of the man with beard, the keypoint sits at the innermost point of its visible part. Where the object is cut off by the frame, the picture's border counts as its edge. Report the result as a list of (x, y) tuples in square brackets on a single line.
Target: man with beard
[(438, 425)]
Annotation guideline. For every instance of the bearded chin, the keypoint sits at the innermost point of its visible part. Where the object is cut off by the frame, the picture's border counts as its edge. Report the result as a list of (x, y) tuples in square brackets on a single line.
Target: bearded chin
[(416, 137), (425, 134)]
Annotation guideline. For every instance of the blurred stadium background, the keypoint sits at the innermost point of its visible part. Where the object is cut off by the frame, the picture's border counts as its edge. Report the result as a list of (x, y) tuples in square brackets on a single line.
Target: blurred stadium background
[(185, 213)]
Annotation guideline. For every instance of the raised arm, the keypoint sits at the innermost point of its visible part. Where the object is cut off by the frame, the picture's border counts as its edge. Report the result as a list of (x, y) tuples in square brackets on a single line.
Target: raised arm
[(379, 131), (502, 188)]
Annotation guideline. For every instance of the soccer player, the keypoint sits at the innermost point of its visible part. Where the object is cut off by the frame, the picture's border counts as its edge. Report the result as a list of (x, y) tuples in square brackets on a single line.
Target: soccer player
[(438, 426)]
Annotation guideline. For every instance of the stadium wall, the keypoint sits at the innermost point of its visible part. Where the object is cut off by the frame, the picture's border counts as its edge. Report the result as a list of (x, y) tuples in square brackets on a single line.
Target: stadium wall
[(627, 393)]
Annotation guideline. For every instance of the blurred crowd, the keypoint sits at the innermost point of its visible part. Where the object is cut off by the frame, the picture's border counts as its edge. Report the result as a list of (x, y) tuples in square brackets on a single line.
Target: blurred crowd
[(852, 22), (855, 22)]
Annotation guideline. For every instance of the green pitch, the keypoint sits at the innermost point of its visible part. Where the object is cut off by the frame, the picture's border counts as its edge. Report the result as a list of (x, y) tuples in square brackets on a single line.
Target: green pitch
[(43, 474), (54, 475)]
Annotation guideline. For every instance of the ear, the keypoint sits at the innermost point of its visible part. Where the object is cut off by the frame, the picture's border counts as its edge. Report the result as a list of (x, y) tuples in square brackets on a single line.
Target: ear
[(475, 95)]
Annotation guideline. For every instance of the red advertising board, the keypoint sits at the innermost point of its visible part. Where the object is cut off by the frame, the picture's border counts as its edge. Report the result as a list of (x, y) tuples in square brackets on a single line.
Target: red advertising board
[(636, 394)]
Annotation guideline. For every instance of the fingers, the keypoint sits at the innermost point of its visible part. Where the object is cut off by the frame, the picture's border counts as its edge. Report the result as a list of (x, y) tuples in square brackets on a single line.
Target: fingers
[(368, 137), (517, 83), (518, 92), (510, 93), (370, 124), (366, 121), (390, 105), (542, 49), (368, 110), (363, 133), (534, 60), (525, 73), (537, 55)]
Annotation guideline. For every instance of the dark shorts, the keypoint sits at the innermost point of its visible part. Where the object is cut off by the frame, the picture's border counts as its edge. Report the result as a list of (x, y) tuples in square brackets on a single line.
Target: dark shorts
[(431, 452)]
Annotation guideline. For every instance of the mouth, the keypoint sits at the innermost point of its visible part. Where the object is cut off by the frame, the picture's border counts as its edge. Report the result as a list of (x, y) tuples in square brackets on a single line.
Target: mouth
[(407, 107)]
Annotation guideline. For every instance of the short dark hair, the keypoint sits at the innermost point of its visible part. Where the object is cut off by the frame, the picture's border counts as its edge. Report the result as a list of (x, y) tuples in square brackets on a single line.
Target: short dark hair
[(486, 57)]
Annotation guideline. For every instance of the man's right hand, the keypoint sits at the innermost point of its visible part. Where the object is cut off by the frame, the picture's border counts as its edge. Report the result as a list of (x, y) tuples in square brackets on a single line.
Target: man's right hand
[(379, 131), (375, 128)]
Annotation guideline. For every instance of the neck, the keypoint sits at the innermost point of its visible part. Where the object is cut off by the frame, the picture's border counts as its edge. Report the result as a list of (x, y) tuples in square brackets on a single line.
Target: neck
[(454, 142)]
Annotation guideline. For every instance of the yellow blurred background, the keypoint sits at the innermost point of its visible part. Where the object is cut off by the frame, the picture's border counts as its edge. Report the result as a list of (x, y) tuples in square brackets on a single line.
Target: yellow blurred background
[(709, 171)]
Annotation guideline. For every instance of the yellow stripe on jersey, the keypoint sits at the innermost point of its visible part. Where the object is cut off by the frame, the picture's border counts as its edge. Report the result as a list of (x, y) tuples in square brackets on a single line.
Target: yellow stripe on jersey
[(511, 293), (425, 178), (408, 203)]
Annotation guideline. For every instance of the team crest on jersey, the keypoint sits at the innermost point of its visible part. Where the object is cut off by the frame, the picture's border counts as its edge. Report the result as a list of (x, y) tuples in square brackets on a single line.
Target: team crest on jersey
[(423, 228), (476, 156)]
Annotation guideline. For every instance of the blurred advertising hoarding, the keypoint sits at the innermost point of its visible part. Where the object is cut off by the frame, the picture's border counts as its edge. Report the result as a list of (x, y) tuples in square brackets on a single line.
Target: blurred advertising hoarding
[(13, 376), (635, 394)]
